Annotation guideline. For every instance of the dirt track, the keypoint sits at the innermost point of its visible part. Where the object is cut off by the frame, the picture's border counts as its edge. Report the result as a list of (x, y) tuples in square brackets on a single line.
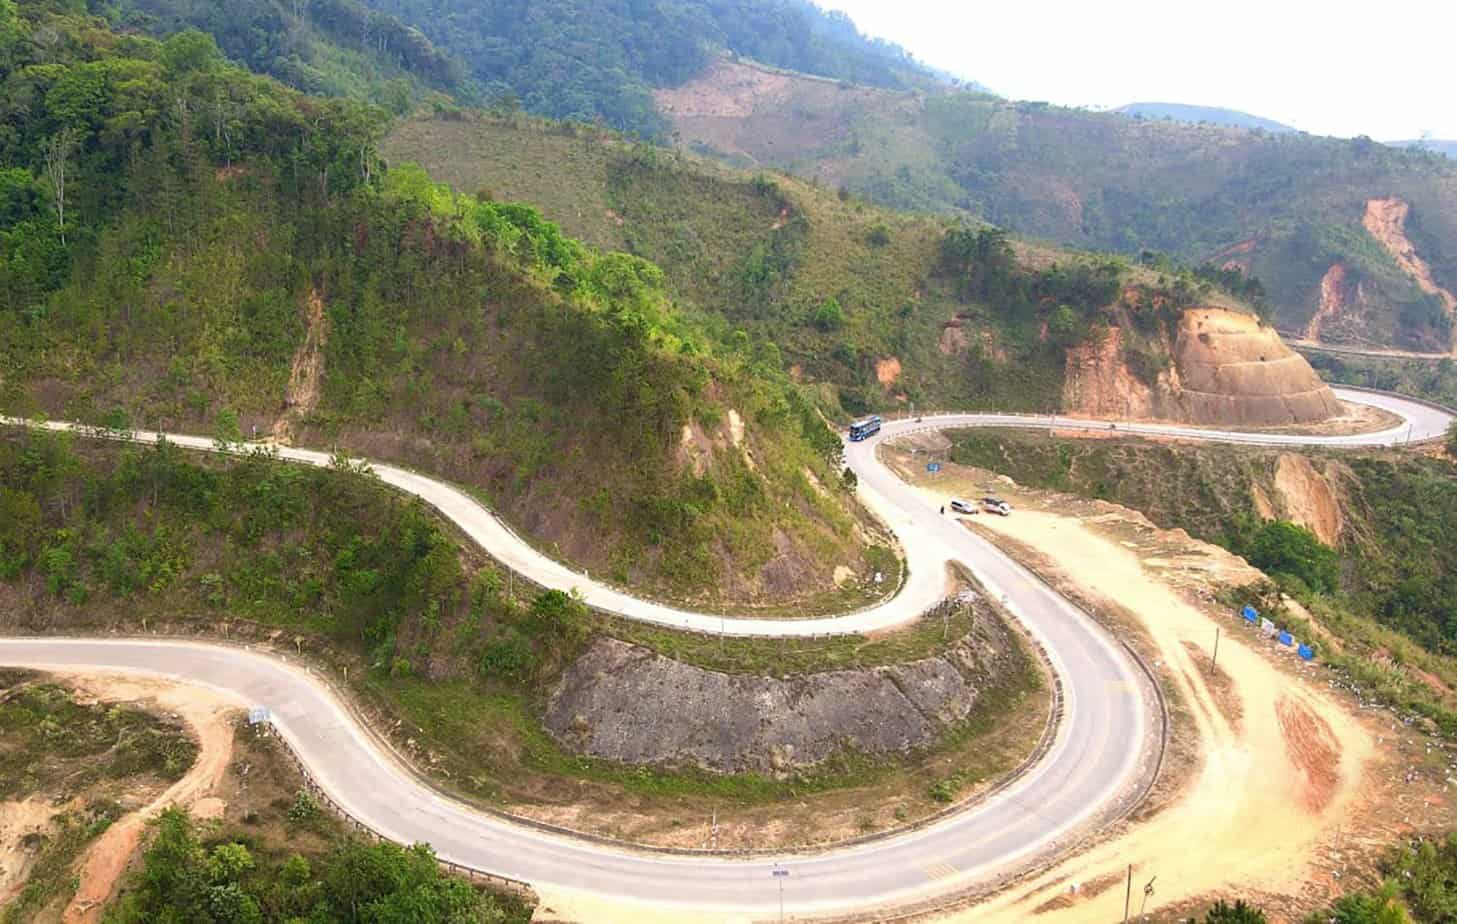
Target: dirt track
[(207, 715)]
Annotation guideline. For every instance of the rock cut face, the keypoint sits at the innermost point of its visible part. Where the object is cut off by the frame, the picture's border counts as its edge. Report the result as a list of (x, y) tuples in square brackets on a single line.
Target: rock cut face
[(1225, 369), (1232, 370)]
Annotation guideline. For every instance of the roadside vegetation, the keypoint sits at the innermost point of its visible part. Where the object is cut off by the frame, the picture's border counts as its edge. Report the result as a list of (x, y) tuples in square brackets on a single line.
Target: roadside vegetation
[(191, 873), (254, 268), (450, 653)]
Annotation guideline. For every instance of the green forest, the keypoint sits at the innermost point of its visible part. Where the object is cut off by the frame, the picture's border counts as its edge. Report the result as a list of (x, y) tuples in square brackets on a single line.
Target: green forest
[(323, 47), (178, 229), (599, 61)]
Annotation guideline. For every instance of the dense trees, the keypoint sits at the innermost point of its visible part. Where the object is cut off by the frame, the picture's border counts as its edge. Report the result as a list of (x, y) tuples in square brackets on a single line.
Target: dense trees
[(302, 43), (184, 879), (588, 61), (1069, 296)]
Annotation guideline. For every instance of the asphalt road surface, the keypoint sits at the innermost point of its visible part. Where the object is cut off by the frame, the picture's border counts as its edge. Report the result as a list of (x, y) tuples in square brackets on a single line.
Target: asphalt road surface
[(1097, 762)]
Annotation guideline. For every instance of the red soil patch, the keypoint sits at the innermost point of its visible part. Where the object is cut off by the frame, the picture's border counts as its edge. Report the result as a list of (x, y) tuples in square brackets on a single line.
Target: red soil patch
[(1314, 751)]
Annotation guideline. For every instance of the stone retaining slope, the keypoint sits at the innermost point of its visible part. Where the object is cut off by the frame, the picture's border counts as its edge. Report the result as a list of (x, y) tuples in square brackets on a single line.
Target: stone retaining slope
[(625, 703)]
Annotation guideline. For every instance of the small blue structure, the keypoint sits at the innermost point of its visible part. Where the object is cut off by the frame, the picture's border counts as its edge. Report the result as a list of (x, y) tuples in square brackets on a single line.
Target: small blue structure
[(933, 467), (1250, 614), (1306, 652), (1287, 639)]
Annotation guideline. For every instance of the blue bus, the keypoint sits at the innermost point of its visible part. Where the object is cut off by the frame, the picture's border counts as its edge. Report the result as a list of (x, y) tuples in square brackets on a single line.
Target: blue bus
[(864, 428)]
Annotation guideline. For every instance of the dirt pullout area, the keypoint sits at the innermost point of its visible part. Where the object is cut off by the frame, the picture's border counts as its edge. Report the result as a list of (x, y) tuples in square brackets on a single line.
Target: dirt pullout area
[(1283, 763), (1385, 220), (306, 375), (207, 714), (630, 705)]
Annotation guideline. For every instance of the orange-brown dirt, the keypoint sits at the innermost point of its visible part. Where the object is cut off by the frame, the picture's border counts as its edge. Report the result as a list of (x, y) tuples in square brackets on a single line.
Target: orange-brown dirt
[(1099, 383), (306, 375), (888, 371), (1313, 750), (1308, 497), (208, 716), (1332, 301), (1385, 220), (1227, 369)]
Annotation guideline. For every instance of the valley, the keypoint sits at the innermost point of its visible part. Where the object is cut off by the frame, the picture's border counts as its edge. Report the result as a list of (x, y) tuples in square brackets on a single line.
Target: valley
[(428, 486)]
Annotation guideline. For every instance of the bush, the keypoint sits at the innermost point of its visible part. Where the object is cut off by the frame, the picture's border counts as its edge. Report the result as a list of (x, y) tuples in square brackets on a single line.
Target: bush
[(1280, 547), (1238, 913), (829, 316)]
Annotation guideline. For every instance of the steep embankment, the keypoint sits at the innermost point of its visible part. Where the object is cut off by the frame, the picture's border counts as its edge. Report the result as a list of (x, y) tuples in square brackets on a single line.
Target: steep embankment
[(1386, 220), (627, 704), (1226, 368)]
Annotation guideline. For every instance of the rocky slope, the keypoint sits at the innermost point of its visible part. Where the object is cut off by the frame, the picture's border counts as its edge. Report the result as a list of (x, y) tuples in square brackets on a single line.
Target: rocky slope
[(1225, 368), (625, 703)]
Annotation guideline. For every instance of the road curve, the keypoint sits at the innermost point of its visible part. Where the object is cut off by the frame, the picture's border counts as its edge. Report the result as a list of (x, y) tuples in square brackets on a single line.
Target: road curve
[(1093, 764)]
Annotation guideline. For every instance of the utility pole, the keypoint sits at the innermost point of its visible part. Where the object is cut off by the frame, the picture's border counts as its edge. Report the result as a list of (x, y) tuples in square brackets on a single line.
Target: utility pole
[(1214, 661), (1128, 895)]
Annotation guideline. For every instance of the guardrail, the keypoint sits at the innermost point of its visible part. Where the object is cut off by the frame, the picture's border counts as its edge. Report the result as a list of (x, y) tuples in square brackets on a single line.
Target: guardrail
[(495, 880)]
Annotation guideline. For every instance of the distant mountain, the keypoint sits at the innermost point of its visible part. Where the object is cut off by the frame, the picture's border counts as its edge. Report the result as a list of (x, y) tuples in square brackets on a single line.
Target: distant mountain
[(1212, 115), (1448, 148), (1328, 225), (601, 61)]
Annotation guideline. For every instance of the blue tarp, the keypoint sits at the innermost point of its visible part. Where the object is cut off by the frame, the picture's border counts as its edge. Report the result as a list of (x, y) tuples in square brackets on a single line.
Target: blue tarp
[(1250, 614), (1306, 652), (1287, 639)]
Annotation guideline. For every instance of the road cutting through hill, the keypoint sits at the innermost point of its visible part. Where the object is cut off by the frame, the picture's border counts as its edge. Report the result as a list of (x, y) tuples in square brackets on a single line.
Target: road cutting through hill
[(1098, 767)]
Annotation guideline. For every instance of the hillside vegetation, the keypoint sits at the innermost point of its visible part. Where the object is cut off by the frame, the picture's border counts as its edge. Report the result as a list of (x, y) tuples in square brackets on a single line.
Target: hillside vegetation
[(189, 246), (878, 309), (324, 47), (1365, 540), (1285, 208), (600, 61)]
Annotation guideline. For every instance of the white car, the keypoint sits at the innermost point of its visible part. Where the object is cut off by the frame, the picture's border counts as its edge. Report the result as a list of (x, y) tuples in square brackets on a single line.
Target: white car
[(996, 505), (962, 506)]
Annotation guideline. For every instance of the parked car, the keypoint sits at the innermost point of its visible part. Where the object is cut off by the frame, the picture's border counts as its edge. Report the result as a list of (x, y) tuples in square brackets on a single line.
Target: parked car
[(996, 505), (963, 506)]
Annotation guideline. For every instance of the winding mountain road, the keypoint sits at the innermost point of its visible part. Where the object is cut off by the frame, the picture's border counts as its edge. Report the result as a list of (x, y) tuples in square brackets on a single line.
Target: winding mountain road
[(1094, 769)]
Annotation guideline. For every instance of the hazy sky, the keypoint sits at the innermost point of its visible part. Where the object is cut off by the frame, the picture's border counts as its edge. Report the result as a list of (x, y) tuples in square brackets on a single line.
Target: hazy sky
[(1384, 68)]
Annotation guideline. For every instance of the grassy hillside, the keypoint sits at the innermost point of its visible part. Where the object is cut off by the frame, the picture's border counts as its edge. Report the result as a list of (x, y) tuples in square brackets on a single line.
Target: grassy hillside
[(1285, 207), (877, 308), (255, 270), (600, 61)]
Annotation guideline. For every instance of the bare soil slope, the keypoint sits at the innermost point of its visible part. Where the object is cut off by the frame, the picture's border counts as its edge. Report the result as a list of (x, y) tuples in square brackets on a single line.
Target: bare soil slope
[(1227, 369)]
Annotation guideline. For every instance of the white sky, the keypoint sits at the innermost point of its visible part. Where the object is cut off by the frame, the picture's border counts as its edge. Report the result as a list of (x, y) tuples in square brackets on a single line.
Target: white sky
[(1383, 68)]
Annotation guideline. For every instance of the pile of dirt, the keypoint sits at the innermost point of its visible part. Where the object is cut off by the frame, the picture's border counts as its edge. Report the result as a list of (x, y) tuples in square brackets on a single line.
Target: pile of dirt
[(627, 704), (1226, 369)]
